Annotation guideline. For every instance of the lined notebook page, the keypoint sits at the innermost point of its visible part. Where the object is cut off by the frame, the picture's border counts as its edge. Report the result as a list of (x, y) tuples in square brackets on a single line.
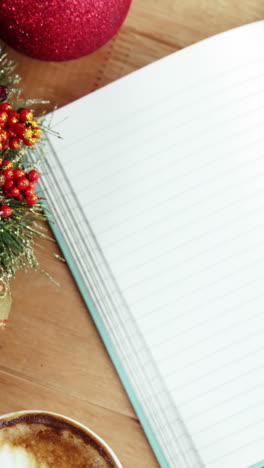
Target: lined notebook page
[(166, 167)]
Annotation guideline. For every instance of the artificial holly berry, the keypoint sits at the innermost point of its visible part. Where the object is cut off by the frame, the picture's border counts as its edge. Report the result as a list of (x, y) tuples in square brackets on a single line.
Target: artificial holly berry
[(20, 197), (8, 183), (3, 135), (19, 129), (5, 106), (25, 114), (14, 143), (30, 141), (29, 191), (8, 173), (33, 175), (3, 118), (27, 134), (31, 199), (3, 140), (37, 132), (11, 132), (22, 183), (31, 185), (5, 210), (3, 93), (14, 191), (7, 164), (13, 118), (17, 173)]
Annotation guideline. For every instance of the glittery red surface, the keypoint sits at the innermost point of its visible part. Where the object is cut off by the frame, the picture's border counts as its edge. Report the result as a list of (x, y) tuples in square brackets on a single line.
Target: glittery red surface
[(60, 29)]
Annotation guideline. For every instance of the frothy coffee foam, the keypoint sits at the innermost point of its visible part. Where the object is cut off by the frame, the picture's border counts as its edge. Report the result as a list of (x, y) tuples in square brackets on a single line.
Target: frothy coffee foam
[(17, 457), (44, 441)]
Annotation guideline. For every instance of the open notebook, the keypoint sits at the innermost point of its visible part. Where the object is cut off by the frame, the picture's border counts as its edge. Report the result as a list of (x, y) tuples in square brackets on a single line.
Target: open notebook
[(157, 189)]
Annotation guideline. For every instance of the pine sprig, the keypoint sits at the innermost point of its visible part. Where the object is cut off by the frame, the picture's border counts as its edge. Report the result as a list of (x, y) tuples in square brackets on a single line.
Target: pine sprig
[(21, 215)]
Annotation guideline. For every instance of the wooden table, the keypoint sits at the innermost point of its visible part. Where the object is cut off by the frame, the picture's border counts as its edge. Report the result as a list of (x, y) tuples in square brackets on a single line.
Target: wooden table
[(51, 355)]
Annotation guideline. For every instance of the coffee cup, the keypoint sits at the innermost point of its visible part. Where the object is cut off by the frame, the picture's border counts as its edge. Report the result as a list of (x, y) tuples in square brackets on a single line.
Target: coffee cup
[(43, 439)]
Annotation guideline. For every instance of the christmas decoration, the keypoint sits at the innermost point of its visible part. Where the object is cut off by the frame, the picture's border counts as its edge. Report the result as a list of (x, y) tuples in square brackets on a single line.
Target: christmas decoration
[(20, 207), (60, 29)]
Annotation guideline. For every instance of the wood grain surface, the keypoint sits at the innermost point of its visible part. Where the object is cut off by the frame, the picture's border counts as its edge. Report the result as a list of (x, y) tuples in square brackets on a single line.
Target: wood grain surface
[(51, 355)]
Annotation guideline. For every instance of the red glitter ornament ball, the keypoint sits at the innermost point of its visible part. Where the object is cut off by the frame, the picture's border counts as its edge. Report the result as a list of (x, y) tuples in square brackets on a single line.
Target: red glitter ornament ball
[(59, 30)]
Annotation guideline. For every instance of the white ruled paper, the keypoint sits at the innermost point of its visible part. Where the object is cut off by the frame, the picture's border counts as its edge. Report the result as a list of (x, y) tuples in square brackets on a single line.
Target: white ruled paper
[(164, 171)]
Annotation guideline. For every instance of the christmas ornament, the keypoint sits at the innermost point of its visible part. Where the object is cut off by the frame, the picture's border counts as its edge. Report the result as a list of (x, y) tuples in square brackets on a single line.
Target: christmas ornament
[(60, 29)]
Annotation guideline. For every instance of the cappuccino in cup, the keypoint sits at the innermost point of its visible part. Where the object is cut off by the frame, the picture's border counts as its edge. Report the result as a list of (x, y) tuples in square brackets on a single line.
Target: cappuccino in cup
[(38, 439)]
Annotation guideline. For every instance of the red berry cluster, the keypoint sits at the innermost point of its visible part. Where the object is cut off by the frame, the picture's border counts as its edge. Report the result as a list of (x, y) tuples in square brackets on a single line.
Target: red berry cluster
[(18, 184), (16, 127)]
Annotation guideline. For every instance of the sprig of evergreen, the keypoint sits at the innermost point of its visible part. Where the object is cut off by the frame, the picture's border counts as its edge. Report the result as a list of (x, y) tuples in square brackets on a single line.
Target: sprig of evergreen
[(19, 232)]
